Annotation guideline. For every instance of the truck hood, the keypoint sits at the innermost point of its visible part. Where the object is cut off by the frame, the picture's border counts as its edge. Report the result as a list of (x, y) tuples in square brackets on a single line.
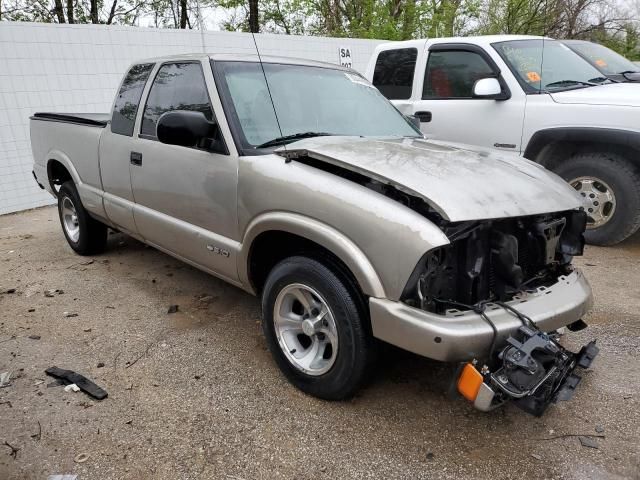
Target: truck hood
[(460, 184), (615, 94)]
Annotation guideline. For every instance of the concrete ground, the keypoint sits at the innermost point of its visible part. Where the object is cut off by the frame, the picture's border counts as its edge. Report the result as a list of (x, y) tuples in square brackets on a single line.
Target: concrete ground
[(196, 395)]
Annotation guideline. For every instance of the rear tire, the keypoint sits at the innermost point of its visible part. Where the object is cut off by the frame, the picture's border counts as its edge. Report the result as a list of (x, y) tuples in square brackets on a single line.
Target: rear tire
[(329, 359), (85, 234), (610, 185)]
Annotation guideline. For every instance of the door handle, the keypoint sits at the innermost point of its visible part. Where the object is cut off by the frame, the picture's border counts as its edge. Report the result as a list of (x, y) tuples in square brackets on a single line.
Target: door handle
[(424, 117), (136, 159)]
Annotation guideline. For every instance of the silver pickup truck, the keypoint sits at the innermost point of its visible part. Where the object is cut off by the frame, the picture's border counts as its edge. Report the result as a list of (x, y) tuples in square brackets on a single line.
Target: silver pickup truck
[(299, 182)]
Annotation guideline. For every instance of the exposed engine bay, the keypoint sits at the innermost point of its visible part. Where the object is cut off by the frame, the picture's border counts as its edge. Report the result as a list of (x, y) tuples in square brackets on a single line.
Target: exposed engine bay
[(494, 260)]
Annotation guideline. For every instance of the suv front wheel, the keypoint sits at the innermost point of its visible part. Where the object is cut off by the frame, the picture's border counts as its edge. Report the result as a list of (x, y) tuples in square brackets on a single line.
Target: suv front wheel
[(315, 328), (610, 186)]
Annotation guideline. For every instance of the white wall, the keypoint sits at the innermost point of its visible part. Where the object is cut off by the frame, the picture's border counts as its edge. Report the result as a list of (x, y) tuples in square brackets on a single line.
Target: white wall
[(77, 68)]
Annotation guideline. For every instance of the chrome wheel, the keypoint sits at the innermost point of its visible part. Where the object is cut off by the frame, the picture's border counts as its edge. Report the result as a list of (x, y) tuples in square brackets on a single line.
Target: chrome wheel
[(305, 329), (600, 201), (70, 219)]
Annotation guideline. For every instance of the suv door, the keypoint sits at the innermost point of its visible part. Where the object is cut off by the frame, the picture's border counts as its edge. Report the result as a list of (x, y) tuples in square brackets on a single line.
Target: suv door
[(448, 109), (185, 197)]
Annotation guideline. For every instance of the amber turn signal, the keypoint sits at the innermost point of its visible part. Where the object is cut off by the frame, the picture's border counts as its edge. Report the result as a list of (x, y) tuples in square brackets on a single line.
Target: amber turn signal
[(469, 382)]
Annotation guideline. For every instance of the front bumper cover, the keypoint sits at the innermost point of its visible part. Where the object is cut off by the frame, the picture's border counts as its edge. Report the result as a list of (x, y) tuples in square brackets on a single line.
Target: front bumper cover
[(460, 336)]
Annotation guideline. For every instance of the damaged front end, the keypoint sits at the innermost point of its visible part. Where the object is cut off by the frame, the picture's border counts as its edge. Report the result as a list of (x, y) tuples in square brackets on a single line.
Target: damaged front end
[(490, 265)]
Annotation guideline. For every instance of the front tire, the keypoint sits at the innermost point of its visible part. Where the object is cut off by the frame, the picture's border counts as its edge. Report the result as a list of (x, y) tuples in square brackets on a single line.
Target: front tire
[(315, 329), (610, 186), (85, 234)]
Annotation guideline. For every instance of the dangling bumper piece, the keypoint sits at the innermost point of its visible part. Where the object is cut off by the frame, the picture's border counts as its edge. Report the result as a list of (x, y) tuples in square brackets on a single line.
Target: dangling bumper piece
[(534, 371)]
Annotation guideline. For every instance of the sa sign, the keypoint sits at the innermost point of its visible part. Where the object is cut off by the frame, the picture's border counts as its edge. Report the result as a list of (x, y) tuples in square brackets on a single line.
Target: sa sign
[(344, 56)]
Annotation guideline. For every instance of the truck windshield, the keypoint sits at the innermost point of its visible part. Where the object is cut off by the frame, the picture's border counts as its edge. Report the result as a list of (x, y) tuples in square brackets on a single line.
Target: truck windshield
[(547, 65), (309, 101), (603, 58)]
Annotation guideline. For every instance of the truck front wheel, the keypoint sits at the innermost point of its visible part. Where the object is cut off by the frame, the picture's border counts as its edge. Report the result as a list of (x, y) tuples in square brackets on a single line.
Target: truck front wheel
[(84, 234), (315, 329), (610, 186)]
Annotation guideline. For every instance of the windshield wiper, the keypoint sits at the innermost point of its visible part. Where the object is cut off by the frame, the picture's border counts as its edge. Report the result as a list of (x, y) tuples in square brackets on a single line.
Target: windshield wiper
[(628, 71), (291, 138), (599, 80), (568, 83)]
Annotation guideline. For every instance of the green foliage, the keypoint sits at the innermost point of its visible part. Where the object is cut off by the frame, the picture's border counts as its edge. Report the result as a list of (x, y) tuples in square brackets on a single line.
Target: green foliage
[(595, 20)]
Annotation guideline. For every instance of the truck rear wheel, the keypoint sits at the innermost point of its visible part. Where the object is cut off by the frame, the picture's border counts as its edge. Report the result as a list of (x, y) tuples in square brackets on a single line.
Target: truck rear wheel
[(315, 329), (85, 235), (610, 186)]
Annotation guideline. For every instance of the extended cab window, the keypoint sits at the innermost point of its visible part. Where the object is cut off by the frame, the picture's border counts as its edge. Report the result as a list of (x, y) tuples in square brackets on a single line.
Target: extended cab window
[(177, 86), (126, 104), (452, 74), (393, 74)]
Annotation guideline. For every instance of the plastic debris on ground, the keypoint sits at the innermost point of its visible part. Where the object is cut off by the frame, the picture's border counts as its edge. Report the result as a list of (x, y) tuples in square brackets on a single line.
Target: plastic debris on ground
[(5, 379), (82, 382)]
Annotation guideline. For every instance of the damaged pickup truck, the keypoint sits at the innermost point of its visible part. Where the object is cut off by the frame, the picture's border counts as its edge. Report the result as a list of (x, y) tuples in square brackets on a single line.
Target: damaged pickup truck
[(299, 182)]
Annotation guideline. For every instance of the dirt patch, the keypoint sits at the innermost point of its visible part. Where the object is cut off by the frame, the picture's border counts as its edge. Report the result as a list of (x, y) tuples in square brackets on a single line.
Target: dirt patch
[(195, 394)]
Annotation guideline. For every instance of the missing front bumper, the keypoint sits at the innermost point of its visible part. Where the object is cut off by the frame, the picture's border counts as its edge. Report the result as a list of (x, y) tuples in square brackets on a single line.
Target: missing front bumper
[(534, 372)]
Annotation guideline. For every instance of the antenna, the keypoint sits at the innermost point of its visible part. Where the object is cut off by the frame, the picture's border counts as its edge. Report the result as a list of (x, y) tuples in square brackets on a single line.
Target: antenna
[(544, 35), (264, 74)]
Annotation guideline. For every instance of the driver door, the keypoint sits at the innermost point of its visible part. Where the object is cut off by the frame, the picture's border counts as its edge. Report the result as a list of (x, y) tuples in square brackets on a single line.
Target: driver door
[(447, 109), (185, 198)]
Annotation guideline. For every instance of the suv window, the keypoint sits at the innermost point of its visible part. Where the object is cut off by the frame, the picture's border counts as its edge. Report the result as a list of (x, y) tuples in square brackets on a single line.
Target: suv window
[(126, 104), (452, 74), (393, 74), (177, 86)]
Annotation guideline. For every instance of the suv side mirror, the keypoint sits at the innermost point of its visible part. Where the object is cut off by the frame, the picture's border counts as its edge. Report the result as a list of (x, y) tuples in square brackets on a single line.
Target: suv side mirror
[(489, 88), (183, 127)]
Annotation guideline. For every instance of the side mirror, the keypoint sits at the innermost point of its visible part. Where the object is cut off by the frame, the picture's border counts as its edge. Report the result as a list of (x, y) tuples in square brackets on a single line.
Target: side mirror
[(183, 127), (489, 88)]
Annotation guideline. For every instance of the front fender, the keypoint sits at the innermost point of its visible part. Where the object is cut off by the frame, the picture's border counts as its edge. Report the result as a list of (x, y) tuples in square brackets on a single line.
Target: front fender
[(317, 232), (608, 137), (378, 238)]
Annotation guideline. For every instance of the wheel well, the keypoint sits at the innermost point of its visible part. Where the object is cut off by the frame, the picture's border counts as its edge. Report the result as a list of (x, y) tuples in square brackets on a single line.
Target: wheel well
[(556, 152), (272, 246), (57, 173)]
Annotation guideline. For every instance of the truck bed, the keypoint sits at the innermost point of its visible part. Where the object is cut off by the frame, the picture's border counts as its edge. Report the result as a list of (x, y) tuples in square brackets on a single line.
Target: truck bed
[(91, 119)]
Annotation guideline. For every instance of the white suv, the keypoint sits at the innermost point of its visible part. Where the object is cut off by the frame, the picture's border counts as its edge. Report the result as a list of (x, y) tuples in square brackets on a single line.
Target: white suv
[(529, 96)]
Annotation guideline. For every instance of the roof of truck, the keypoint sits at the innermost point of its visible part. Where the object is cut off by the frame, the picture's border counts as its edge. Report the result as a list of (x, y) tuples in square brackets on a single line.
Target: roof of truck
[(242, 57), (483, 40)]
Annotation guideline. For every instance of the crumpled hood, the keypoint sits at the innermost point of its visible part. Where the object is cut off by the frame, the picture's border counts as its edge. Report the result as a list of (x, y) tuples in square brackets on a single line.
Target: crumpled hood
[(461, 184), (615, 94)]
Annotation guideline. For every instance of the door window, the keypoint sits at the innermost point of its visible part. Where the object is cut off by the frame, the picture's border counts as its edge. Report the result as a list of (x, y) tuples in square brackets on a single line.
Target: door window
[(126, 104), (452, 74), (177, 86), (393, 74)]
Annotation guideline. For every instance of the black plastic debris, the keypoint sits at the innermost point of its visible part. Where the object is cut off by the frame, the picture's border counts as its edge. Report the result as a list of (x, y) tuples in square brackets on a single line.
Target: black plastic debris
[(83, 383), (172, 309)]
